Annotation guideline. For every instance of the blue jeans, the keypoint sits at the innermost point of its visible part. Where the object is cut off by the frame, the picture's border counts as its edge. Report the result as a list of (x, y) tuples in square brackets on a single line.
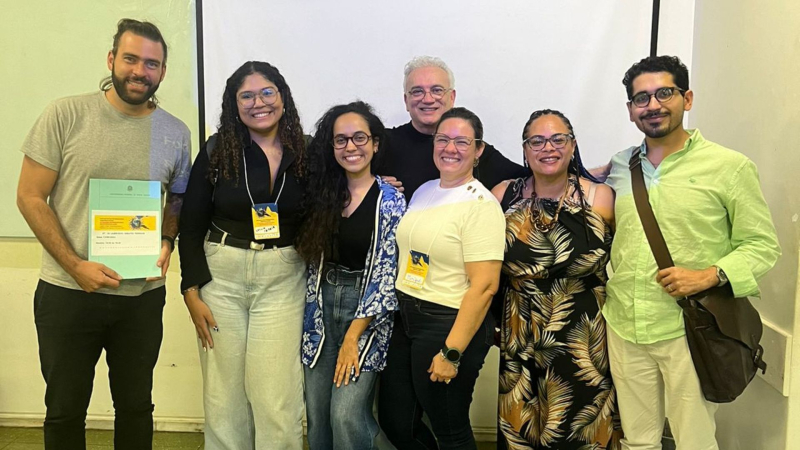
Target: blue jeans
[(339, 418), (407, 391)]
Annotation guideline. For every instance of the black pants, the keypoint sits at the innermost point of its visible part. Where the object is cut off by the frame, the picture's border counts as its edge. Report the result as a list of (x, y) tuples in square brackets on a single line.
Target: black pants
[(73, 328), (407, 391)]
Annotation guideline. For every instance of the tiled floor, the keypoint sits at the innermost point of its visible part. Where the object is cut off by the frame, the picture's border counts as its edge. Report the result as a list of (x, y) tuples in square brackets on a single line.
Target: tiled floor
[(32, 439)]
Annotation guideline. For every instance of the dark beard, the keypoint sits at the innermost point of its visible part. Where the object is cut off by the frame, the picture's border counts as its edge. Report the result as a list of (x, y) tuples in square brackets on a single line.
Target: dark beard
[(119, 87), (657, 133)]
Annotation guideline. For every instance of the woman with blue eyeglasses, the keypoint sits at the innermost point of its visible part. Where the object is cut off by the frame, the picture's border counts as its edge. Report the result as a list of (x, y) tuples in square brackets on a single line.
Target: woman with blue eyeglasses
[(556, 390)]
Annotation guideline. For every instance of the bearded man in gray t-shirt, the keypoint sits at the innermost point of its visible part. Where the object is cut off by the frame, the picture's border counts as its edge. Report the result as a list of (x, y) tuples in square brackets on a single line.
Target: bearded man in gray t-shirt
[(83, 307)]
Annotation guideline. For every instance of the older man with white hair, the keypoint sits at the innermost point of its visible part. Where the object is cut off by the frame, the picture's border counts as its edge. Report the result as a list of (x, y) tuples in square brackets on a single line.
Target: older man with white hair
[(429, 91)]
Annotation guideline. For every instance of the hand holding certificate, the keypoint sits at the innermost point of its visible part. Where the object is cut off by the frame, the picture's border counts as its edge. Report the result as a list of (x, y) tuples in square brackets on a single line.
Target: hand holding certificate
[(125, 226)]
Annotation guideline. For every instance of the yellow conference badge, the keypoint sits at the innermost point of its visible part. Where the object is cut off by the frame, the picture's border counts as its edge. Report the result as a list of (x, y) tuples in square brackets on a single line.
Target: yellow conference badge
[(265, 221), (416, 269)]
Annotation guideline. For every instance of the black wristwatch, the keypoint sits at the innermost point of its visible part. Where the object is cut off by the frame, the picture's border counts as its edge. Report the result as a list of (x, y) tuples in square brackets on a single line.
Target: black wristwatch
[(723, 279), (451, 355)]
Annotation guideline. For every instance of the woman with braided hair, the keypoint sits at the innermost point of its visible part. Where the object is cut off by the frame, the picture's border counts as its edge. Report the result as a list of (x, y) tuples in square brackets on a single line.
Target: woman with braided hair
[(242, 280), (555, 385)]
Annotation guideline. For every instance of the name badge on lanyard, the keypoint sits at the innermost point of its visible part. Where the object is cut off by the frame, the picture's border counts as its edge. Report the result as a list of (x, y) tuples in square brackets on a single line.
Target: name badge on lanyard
[(265, 215), (265, 221), (416, 269)]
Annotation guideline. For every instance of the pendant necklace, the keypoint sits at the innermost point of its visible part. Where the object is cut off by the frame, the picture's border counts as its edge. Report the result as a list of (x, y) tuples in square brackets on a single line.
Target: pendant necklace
[(538, 217)]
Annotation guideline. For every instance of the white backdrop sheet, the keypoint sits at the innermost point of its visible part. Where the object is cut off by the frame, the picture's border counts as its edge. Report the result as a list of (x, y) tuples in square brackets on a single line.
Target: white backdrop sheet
[(510, 58)]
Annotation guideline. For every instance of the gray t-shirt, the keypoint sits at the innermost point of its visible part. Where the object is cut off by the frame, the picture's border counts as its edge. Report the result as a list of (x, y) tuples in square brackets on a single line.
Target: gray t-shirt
[(84, 137)]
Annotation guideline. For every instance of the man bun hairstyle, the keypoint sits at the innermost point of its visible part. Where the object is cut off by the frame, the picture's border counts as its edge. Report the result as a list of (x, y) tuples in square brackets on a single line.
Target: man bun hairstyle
[(143, 29)]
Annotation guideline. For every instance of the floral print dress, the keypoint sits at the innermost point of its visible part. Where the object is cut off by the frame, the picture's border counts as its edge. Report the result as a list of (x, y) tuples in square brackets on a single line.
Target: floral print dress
[(555, 385)]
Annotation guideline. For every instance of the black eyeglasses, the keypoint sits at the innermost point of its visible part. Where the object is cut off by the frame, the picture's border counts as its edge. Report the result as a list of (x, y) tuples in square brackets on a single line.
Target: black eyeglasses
[(437, 92), (248, 98), (537, 142), (663, 95), (359, 138)]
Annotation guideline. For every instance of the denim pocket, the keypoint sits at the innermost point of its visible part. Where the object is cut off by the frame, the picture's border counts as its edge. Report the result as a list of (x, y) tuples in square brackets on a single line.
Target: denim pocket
[(289, 255), (211, 248)]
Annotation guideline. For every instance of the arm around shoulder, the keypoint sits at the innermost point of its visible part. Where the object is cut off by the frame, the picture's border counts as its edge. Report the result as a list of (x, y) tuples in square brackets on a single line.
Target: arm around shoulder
[(500, 190), (601, 173), (603, 202)]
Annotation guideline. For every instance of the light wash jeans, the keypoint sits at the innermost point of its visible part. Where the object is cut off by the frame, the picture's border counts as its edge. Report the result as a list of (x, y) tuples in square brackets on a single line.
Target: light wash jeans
[(339, 418), (252, 378)]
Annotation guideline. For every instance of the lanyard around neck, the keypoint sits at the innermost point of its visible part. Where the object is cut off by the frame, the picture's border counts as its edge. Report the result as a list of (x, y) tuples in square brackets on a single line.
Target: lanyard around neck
[(247, 183)]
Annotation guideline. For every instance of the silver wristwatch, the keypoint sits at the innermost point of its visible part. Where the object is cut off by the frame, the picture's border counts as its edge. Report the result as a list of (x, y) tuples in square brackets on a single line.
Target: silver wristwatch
[(723, 279), (451, 355)]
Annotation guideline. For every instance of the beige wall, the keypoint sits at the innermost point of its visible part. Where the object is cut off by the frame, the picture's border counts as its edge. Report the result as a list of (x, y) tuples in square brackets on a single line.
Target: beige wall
[(745, 69)]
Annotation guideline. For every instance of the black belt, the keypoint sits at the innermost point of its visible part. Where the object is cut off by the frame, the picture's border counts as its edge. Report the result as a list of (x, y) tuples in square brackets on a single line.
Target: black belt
[(341, 276), (221, 238)]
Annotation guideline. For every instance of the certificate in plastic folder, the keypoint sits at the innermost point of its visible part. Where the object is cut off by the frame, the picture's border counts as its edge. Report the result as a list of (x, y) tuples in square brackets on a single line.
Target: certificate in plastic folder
[(125, 226)]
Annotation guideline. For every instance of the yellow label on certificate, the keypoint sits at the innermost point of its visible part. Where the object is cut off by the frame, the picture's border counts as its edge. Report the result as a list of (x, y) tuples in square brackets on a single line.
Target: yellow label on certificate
[(265, 221), (416, 269), (124, 233), (109, 222)]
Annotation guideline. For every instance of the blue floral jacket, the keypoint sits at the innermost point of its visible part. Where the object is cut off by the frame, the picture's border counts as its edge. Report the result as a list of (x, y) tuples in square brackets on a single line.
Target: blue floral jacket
[(378, 297)]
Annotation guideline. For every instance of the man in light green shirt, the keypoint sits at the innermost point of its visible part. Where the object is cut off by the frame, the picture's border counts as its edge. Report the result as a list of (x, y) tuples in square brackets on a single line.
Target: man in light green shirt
[(718, 228)]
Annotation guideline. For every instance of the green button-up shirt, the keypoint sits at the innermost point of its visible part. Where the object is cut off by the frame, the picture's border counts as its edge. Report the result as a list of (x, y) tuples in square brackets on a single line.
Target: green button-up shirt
[(710, 208)]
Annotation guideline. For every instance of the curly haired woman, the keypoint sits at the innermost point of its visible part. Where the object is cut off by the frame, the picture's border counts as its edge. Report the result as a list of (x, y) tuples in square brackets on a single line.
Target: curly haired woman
[(348, 240), (243, 282)]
